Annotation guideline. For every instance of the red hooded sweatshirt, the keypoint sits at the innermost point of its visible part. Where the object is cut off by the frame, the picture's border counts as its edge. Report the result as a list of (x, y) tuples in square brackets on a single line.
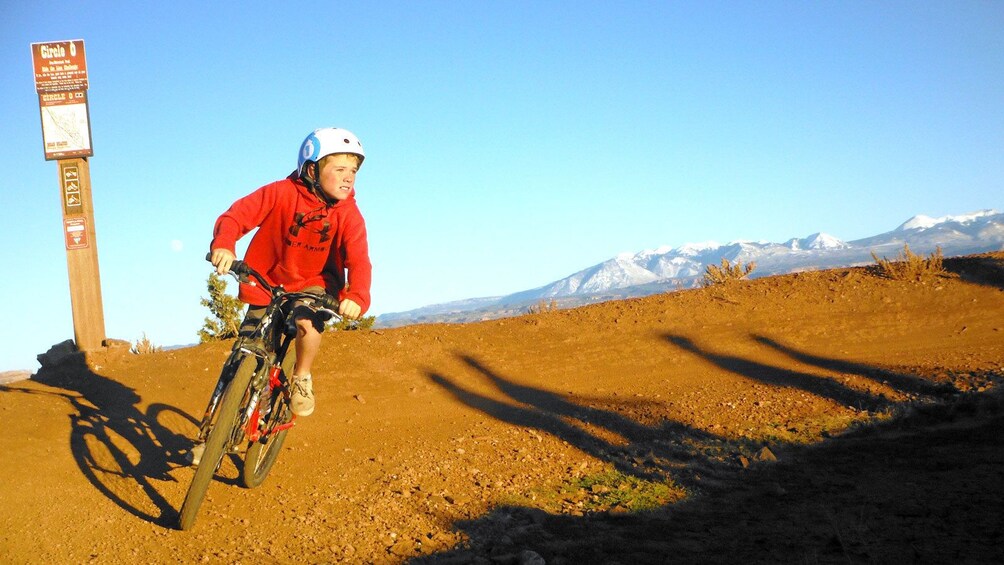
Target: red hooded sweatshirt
[(300, 242)]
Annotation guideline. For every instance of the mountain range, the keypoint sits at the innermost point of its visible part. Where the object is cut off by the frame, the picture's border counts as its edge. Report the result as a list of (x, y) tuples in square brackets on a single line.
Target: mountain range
[(666, 268)]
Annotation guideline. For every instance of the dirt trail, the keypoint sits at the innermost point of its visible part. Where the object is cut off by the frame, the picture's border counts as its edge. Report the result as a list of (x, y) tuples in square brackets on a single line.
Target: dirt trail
[(823, 417)]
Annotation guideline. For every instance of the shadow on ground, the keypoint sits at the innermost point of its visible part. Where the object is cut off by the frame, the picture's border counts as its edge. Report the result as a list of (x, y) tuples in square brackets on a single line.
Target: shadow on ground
[(924, 487), (121, 450), (986, 269)]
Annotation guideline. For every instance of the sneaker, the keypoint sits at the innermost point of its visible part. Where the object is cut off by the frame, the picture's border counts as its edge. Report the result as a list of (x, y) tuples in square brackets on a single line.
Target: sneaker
[(195, 455), (301, 402)]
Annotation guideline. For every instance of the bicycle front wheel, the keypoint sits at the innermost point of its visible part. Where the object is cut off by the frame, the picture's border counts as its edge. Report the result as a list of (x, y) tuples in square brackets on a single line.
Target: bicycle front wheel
[(218, 440)]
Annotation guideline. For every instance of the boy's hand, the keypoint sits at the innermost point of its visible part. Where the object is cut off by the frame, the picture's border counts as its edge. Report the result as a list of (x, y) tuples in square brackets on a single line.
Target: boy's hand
[(349, 309), (222, 259)]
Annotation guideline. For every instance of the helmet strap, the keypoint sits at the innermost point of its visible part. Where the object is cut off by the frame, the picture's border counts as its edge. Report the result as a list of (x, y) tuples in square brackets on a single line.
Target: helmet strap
[(314, 186)]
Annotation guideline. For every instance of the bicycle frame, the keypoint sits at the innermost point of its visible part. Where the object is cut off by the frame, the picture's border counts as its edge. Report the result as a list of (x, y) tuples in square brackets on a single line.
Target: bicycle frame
[(243, 406), (269, 344)]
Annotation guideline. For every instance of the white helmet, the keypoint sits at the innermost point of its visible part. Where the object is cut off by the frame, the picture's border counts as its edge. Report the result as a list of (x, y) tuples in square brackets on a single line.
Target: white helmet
[(328, 141)]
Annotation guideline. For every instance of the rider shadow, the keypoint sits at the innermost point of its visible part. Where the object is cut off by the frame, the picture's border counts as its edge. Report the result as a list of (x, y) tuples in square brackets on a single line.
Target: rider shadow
[(814, 384), (116, 446), (647, 452), (900, 381)]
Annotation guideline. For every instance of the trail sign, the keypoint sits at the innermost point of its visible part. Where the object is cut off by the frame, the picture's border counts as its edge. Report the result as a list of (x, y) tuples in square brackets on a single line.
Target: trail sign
[(73, 204), (61, 84), (76, 232), (66, 124), (59, 65)]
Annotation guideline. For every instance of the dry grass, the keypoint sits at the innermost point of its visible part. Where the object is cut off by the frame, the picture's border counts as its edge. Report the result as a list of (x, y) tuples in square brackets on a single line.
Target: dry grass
[(144, 346), (542, 307), (727, 272), (909, 266)]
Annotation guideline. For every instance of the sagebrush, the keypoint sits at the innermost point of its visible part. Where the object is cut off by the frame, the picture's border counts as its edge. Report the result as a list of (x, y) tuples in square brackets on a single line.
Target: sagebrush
[(727, 272), (144, 346), (909, 266), (543, 306), (344, 324)]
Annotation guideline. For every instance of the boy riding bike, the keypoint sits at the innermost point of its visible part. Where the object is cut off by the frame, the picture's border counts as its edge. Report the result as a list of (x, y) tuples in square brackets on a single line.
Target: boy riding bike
[(311, 237)]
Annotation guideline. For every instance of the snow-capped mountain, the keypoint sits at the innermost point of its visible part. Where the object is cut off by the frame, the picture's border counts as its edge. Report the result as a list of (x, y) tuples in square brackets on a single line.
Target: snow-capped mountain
[(667, 268), (922, 222), (816, 241)]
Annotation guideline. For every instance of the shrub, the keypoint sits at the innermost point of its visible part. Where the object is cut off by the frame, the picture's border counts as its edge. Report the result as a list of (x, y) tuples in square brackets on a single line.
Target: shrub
[(909, 266), (144, 346), (226, 311), (542, 307), (343, 324), (727, 272)]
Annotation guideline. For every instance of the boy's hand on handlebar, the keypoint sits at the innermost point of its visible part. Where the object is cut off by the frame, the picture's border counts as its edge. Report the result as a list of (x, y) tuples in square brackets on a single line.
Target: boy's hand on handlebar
[(349, 309), (222, 259)]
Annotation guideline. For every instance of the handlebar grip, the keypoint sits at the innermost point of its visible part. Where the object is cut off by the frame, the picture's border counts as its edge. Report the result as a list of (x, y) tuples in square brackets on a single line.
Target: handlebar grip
[(237, 267), (329, 302)]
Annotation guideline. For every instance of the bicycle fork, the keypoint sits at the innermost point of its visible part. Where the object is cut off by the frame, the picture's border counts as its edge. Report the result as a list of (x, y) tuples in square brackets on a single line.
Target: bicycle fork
[(207, 418), (259, 409)]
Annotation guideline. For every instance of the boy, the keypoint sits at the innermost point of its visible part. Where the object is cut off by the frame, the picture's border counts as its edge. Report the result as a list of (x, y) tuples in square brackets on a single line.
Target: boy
[(310, 232)]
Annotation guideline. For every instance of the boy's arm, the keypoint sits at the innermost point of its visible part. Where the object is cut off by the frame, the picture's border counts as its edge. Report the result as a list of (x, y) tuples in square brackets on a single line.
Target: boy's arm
[(242, 217), (360, 270)]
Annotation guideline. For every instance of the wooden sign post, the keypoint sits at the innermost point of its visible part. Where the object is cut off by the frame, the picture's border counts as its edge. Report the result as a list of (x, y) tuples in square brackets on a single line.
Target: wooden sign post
[(61, 83)]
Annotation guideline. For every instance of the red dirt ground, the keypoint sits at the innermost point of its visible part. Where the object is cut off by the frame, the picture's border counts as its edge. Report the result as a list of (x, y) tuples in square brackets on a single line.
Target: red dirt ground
[(624, 432)]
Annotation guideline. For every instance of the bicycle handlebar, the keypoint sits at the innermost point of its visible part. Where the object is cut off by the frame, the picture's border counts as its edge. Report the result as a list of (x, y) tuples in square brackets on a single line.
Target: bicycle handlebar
[(242, 271)]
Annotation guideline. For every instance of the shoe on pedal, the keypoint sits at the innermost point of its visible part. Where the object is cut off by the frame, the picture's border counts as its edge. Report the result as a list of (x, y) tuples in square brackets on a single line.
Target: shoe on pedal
[(301, 400), (195, 454)]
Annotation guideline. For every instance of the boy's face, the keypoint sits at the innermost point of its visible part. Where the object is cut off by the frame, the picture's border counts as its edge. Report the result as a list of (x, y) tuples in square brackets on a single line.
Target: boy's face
[(338, 175)]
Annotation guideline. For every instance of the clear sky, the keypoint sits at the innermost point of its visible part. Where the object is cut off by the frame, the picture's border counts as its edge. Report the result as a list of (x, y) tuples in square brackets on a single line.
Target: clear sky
[(509, 144)]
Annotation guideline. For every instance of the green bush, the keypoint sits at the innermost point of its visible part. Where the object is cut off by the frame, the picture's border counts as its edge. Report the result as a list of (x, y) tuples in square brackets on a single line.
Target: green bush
[(363, 323), (226, 312)]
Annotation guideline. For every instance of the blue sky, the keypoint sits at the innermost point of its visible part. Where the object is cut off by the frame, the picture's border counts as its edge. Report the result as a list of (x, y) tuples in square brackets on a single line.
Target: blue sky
[(509, 144)]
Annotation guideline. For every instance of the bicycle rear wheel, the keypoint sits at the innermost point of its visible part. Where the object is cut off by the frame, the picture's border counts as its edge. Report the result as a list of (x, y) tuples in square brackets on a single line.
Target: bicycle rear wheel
[(262, 454), (218, 440)]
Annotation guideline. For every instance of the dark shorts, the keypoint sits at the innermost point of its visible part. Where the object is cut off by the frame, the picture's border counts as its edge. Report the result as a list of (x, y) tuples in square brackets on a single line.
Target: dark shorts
[(300, 311)]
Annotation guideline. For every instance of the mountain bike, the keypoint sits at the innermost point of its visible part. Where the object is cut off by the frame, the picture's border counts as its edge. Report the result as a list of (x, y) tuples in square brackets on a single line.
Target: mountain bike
[(250, 402)]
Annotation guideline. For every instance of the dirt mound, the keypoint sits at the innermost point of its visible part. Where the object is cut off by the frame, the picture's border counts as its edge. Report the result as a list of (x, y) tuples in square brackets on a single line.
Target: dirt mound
[(830, 416)]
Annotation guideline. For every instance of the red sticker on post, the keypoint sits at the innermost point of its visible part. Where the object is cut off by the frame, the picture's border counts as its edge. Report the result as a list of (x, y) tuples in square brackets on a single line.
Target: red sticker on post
[(76, 232)]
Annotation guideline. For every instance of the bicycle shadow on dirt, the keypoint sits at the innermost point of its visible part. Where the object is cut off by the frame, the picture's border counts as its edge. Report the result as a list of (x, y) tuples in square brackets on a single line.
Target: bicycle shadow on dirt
[(912, 487), (116, 446)]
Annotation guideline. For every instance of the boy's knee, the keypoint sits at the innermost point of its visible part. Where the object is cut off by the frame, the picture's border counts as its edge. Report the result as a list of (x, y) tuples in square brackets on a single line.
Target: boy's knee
[(309, 325)]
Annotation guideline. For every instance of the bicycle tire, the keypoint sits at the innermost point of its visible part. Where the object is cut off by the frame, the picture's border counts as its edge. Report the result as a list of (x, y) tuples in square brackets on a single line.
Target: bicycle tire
[(262, 455), (216, 443)]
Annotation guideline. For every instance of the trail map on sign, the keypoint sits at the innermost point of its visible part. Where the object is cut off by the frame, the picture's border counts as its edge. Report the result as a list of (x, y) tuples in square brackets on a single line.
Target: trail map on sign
[(65, 128)]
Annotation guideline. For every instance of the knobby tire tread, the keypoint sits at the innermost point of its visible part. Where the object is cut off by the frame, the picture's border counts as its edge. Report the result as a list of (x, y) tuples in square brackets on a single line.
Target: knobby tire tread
[(217, 441), (261, 456)]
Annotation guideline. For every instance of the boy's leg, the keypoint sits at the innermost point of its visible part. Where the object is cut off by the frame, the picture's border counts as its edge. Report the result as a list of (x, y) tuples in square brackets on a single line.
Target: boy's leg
[(308, 341)]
